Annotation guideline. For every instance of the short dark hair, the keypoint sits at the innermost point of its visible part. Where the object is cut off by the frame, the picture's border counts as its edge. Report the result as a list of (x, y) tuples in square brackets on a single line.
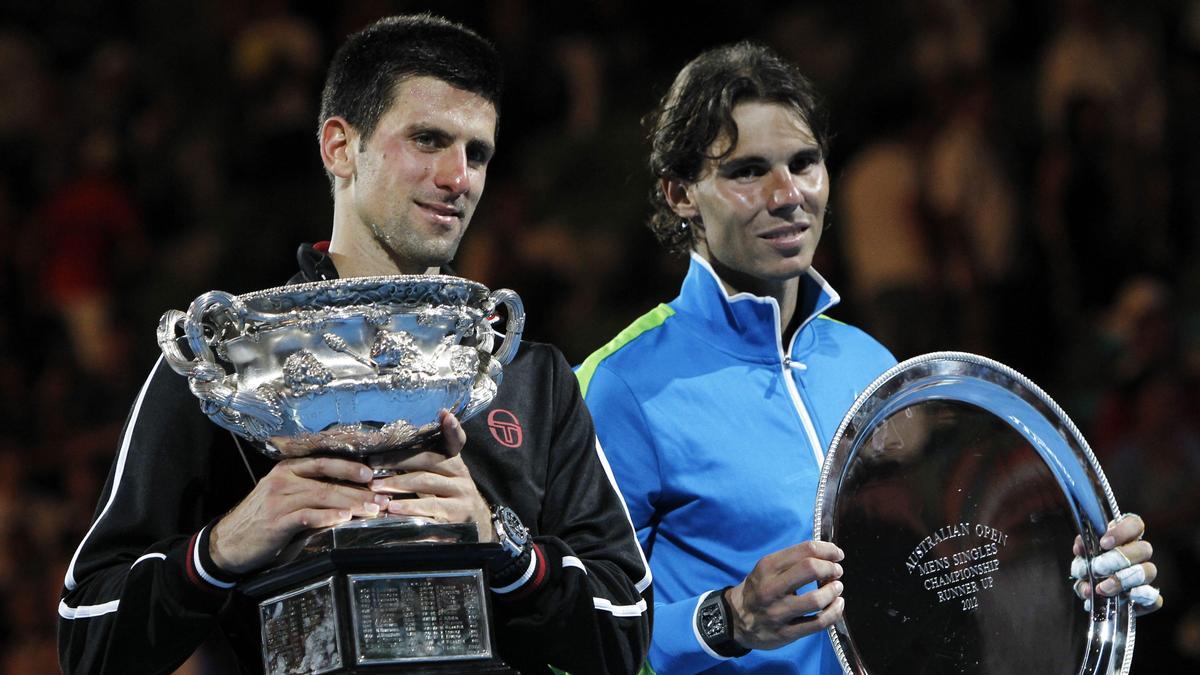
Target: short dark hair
[(367, 67), (698, 109)]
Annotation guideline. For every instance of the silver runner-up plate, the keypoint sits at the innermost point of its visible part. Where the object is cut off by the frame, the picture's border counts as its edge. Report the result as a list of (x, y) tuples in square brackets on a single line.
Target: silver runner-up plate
[(956, 487)]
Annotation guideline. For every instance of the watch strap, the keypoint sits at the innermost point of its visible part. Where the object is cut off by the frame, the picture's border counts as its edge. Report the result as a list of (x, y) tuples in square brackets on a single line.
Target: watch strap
[(514, 574)]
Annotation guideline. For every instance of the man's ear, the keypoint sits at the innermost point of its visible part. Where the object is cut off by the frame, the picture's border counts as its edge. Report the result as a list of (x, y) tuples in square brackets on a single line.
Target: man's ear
[(679, 198), (337, 149)]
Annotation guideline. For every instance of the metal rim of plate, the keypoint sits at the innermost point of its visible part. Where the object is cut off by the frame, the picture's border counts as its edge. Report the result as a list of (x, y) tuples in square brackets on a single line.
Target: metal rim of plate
[(873, 405)]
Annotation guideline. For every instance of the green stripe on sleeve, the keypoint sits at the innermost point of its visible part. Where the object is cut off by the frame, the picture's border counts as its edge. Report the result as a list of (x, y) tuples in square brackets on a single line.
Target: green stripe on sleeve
[(652, 319)]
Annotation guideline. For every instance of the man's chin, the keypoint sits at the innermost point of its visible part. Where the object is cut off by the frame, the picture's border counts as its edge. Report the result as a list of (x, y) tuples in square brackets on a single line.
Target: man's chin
[(795, 265), (786, 270), (429, 256)]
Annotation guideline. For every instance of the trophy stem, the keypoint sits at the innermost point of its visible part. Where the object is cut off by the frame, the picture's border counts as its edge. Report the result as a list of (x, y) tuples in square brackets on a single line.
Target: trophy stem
[(389, 463)]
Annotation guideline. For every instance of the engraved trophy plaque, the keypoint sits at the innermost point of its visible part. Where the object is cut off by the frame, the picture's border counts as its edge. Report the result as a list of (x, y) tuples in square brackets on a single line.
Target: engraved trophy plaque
[(956, 488), (358, 368)]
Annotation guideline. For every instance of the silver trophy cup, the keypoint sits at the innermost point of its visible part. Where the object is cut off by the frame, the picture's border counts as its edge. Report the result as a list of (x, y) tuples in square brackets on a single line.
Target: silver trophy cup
[(358, 368)]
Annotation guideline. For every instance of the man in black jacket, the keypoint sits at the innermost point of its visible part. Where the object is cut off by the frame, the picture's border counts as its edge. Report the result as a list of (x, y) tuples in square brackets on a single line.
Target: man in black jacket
[(408, 123)]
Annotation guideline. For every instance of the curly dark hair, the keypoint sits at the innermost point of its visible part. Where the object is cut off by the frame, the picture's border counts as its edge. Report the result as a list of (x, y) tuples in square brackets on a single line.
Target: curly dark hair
[(698, 109), (367, 67)]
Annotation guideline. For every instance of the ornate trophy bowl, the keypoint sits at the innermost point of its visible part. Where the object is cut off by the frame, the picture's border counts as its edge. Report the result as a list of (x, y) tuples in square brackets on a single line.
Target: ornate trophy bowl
[(353, 367), (956, 488), (358, 368)]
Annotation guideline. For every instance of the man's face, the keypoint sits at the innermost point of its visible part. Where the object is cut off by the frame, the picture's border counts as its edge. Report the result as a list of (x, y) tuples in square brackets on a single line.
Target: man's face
[(761, 208), (419, 176)]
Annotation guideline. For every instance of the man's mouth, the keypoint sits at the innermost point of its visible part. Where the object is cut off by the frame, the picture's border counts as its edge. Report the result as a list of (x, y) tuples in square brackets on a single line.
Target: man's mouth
[(442, 213), (785, 235)]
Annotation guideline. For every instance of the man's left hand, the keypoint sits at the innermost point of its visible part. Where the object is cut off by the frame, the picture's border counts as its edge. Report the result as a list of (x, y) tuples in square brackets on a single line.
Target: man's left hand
[(1123, 566), (442, 482)]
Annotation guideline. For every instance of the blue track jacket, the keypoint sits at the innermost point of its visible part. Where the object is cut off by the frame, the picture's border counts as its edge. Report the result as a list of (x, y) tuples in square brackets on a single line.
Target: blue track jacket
[(715, 432)]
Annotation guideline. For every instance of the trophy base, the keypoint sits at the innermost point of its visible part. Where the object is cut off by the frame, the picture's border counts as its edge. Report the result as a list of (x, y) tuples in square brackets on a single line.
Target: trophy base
[(366, 597)]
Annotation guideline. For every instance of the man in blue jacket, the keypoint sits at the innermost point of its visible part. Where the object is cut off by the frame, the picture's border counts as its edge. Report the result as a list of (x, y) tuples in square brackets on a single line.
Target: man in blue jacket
[(714, 409)]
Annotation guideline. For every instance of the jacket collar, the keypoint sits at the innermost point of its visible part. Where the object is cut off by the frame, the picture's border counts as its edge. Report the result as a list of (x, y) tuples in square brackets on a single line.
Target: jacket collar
[(748, 324), (316, 265)]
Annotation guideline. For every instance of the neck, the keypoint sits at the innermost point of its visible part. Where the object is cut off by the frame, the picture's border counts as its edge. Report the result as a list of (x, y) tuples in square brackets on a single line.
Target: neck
[(785, 291), (789, 319), (356, 253), (359, 263), (787, 294)]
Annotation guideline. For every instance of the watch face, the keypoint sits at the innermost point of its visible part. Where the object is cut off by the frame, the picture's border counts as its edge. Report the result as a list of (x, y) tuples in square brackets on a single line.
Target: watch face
[(712, 621), (513, 526)]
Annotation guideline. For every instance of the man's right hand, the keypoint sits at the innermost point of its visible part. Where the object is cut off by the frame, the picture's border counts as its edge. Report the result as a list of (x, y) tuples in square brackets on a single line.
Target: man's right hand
[(768, 614), (298, 494)]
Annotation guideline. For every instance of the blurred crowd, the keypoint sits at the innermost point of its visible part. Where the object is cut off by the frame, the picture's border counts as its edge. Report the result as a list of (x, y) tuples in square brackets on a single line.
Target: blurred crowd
[(1015, 178)]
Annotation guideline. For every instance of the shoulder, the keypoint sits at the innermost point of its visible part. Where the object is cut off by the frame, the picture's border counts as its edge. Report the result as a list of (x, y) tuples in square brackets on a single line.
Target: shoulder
[(538, 377), (853, 338), (626, 353), (852, 346), (537, 360)]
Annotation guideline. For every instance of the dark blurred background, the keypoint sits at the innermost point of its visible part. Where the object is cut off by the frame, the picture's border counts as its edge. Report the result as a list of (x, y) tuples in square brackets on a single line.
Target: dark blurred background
[(1018, 178)]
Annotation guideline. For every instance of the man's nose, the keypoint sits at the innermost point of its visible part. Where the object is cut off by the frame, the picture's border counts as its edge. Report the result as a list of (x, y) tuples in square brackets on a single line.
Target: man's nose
[(785, 195), (452, 172)]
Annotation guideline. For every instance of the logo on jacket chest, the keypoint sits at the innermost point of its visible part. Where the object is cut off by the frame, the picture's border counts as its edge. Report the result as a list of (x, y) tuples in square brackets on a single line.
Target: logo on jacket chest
[(505, 428)]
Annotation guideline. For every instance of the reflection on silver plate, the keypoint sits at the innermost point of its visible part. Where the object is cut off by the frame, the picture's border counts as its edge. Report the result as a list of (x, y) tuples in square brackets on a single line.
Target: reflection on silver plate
[(956, 488)]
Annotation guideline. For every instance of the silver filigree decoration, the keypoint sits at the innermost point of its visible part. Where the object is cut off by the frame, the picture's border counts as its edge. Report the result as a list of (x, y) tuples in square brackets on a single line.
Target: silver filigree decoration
[(354, 440), (409, 380), (429, 316), (376, 317), (339, 345), (310, 321), (465, 323), (394, 350), (464, 361), (302, 370), (410, 291), (206, 371)]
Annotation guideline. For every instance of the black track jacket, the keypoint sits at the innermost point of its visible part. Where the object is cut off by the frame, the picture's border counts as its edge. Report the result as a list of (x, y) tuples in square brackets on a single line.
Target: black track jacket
[(141, 593)]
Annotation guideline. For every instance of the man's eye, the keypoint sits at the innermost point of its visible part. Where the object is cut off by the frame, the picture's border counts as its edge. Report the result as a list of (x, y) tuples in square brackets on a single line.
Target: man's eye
[(426, 140), (478, 157), (746, 172), (801, 163)]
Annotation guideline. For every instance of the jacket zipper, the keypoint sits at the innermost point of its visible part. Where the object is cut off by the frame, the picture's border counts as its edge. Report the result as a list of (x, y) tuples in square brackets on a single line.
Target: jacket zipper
[(786, 366)]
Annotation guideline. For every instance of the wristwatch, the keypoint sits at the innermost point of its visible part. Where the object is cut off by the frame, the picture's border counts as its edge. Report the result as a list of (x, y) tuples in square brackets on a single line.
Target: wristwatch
[(513, 537), (511, 533), (714, 623)]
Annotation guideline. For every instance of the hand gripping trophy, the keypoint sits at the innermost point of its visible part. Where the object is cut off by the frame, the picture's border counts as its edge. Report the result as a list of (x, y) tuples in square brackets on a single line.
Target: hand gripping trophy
[(357, 368)]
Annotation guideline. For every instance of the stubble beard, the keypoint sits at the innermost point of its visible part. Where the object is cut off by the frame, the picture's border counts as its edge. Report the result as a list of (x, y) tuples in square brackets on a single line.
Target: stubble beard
[(406, 248)]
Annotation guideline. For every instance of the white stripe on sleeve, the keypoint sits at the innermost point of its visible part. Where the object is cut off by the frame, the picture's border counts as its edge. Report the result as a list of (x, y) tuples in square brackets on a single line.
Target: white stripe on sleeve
[(69, 581)]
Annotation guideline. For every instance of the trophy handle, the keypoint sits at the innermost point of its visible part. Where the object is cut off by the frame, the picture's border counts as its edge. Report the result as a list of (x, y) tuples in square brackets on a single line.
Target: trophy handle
[(513, 327), (216, 308), (167, 327)]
